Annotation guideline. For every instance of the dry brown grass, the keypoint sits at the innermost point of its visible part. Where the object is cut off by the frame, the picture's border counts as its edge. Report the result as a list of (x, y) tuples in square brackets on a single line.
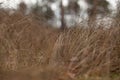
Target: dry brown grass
[(30, 49)]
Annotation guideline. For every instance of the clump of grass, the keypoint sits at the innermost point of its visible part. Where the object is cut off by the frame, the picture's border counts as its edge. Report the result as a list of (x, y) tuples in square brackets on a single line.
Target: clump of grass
[(29, 46)]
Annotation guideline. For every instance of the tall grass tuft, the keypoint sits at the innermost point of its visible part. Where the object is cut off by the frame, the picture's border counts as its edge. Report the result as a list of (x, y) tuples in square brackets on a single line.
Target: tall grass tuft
[(32, 50)]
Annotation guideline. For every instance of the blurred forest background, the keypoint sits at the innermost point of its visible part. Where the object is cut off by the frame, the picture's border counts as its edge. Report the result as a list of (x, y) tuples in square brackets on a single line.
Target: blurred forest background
[(65, 12)]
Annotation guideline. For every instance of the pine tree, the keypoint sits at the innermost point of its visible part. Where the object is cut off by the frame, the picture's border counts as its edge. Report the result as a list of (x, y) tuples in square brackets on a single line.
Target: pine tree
[(43, 10), (73, 6), (98, 7)]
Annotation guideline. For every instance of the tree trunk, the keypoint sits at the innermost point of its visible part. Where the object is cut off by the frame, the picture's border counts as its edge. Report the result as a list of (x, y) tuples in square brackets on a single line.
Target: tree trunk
[(63, 25), (93, 12)]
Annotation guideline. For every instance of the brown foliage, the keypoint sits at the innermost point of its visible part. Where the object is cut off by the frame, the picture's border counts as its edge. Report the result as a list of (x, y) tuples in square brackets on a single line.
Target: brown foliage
[(29, 48)]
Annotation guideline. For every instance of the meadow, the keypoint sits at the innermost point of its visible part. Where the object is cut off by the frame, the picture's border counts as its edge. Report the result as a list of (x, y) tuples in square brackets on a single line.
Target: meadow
[(30, 49)]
